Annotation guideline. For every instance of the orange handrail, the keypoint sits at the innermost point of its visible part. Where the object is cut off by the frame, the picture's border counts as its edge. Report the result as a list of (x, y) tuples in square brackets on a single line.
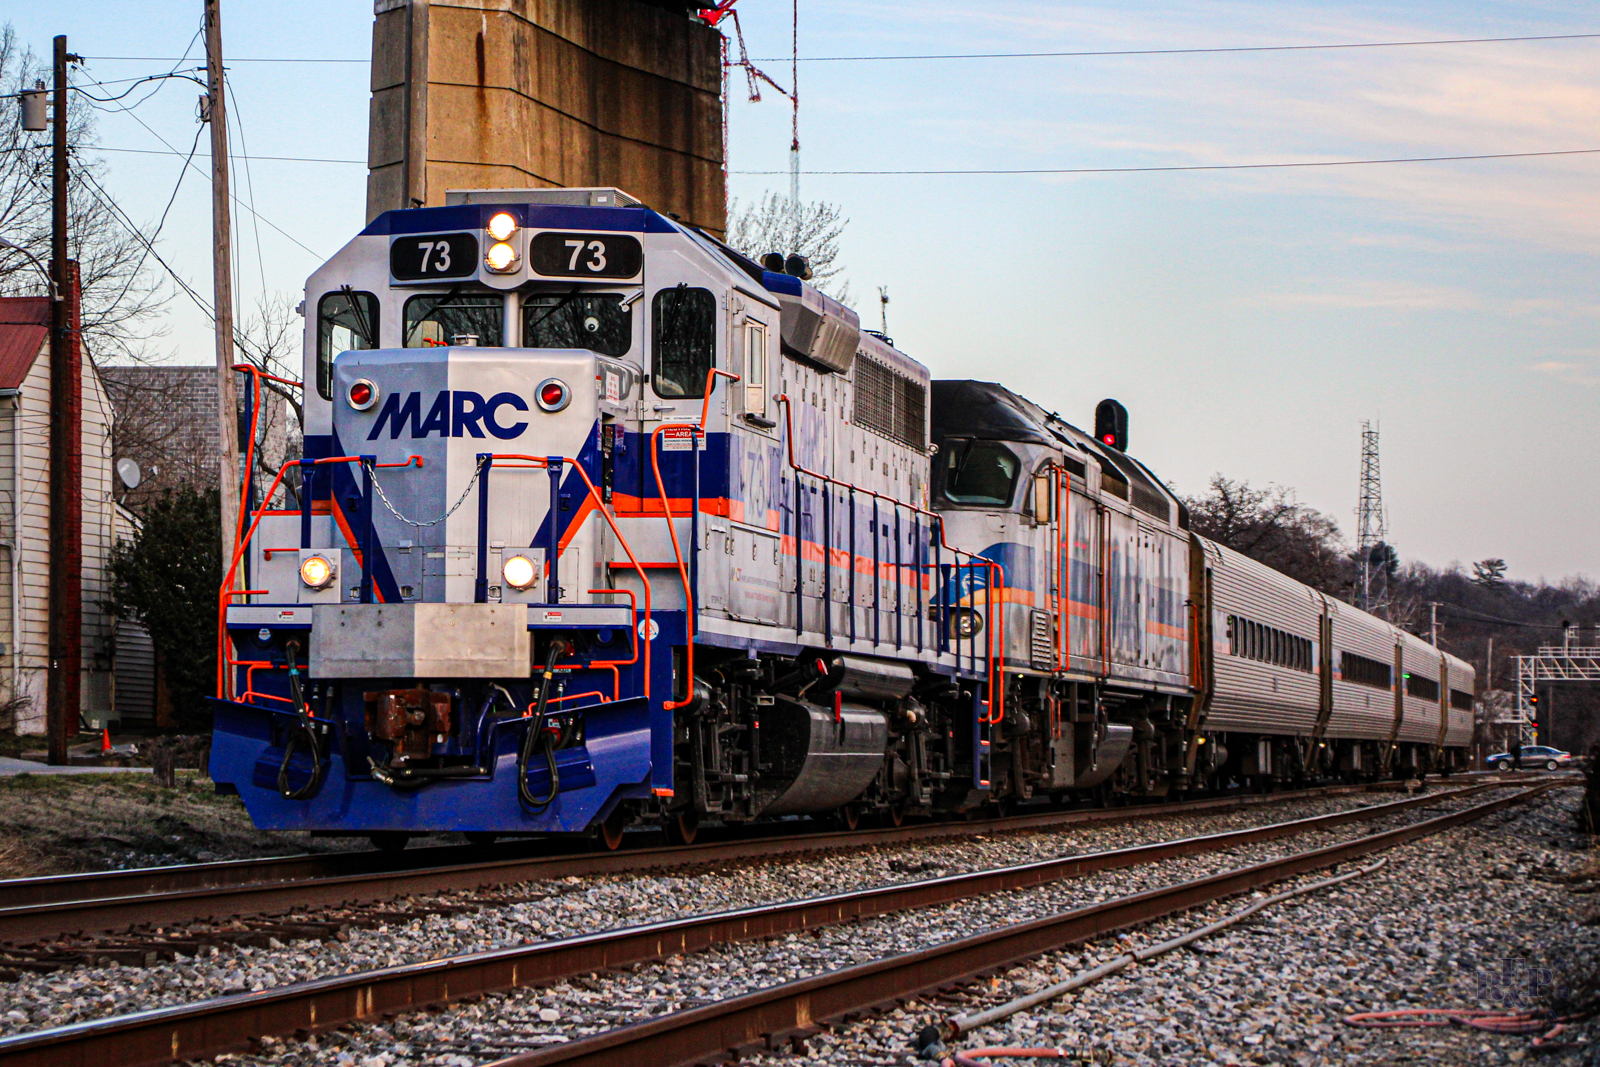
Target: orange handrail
[(996, 571), (224, 659), (623, 541), (543, 463), (672, 528), (223, 594), (577, 696)]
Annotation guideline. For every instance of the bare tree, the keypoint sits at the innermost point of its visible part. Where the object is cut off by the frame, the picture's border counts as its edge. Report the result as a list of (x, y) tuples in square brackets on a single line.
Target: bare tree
[(270, 340), (122, 295), (777, 224), (1271, 526)]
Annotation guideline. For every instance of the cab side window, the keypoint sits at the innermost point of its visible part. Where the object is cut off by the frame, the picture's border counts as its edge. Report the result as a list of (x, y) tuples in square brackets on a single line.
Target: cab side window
[(346, 320), (683, 328), (755, 368), (982, 473)]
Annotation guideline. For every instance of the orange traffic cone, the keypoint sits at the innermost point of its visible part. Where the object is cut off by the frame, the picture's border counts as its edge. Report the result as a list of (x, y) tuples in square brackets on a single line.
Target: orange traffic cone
[(105, 740)]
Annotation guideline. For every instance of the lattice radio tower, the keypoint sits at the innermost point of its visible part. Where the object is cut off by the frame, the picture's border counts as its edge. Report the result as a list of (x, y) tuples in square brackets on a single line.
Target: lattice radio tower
[(1370, 530)]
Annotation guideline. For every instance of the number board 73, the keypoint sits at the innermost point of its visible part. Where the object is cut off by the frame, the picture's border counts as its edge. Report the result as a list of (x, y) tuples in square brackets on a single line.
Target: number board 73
[(585, 255), (424, 256)]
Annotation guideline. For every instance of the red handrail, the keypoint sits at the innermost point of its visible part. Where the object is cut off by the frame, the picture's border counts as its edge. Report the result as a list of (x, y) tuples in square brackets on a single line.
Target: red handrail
[(224, 659), (672, 528), (996, 571), (623, 541)]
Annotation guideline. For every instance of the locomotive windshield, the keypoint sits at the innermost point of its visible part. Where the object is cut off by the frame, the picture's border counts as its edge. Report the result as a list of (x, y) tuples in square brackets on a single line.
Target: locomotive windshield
[(980, 472), (346, 320), (450, 318), (596, 321)]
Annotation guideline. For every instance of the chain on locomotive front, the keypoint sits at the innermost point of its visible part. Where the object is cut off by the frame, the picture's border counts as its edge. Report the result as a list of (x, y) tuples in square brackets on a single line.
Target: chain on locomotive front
[(595, 530)]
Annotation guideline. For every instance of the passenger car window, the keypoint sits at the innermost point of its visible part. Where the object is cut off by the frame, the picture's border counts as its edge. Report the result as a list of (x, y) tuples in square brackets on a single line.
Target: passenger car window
[(437, 319), (346, 321), (683, 328), (980, 472)]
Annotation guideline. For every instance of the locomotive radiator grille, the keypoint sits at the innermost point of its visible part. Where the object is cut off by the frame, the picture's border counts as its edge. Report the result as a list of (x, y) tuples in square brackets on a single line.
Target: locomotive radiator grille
[(1041, 640)]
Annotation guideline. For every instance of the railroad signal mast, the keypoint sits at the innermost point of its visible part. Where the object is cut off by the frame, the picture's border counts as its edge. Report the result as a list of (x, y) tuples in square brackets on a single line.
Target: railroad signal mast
[(1570, 661)]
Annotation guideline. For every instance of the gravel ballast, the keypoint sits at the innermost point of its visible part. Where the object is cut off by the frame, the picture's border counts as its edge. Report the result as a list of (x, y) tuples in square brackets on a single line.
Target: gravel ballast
[(501, 1025), (1472, 918)]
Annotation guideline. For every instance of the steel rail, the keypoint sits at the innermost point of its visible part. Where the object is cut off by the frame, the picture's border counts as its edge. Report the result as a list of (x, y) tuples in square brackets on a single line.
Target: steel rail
[(224, 1024), (767, 1017), (32, 909), (36, 908)]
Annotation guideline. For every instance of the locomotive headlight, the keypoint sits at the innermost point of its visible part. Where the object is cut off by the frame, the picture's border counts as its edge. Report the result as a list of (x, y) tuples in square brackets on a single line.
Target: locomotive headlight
[(518, 572), (501, 258), (316, 572), (553, 395), (502, 226), (964, 623)]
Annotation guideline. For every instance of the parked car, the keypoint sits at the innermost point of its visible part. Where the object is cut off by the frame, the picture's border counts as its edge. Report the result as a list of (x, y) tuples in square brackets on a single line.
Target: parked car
[(1551, 759)]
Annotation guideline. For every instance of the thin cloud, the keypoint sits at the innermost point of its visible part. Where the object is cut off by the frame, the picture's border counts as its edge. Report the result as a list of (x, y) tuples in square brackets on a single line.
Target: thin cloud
[(1393, 295), (1570, 373)]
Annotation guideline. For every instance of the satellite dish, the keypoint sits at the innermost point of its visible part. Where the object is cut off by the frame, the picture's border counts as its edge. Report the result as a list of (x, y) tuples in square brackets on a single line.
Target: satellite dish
[(128, 473)]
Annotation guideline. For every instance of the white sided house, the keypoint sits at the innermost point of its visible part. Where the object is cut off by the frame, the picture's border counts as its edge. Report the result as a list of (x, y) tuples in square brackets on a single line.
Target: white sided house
[(25, 526)]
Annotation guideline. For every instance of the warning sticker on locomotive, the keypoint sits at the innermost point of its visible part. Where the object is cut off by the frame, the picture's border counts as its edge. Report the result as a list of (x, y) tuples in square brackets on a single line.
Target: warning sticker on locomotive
[(677, 439), (613, 386)]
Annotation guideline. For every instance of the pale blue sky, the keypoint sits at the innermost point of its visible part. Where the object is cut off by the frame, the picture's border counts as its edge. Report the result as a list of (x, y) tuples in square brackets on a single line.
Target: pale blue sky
[(1249, 320)]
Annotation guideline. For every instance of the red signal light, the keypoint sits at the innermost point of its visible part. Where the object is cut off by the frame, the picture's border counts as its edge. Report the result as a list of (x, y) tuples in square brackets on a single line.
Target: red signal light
[(552, 394), (1110, 439), (362, 394)]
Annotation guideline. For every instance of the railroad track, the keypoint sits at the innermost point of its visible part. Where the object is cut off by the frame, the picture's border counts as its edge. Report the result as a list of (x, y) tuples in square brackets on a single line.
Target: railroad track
[(769, 1018), (33, 910), (230, 1023)]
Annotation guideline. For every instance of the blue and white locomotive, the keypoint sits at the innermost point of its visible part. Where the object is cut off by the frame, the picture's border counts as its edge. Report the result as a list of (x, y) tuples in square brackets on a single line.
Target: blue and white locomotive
[(602, 523)]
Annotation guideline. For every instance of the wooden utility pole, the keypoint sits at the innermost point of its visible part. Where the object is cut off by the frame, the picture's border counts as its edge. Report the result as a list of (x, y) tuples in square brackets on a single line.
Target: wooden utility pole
[(222, 284), (63, 696)]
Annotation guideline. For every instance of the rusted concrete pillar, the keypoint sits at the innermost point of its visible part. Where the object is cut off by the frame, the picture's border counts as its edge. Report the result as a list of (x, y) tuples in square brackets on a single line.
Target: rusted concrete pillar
[(490, 94)]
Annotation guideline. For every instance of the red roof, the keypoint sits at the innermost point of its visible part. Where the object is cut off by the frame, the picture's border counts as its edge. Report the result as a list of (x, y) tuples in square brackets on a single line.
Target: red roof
[(24, 326)]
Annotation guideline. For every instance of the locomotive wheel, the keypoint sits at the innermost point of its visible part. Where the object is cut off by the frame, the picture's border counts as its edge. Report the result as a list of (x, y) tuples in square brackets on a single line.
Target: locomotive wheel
[(609, 836), (896, 814), (848, 816), (682, 827), (389, 840), (482, 838)]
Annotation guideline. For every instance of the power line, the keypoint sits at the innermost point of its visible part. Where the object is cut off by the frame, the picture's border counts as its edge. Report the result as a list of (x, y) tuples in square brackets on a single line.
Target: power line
[(231, 59), (190, 163), (1195, 167), (99, 193), (1184, 51), (1019, 170), (1472, 615), (1083, 54), (279, 159)]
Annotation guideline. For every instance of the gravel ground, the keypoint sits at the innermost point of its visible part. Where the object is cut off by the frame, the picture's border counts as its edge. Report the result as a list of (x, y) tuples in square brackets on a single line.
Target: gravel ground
[(1470, 918), (580, 905), (472, 1034), (56, 824)]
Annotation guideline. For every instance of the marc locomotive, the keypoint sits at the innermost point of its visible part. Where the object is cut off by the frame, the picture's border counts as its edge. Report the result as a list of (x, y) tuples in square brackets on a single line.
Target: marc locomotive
[(601, 523)]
